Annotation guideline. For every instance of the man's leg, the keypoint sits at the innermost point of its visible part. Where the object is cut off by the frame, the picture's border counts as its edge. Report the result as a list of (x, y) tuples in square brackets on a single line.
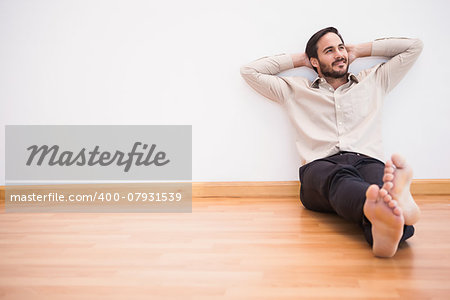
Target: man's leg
[(313, 189), (386, 228), (373, 171), (334, 184)]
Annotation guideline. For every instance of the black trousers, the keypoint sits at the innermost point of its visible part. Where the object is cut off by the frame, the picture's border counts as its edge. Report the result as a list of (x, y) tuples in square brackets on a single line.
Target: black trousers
[(338, 184)]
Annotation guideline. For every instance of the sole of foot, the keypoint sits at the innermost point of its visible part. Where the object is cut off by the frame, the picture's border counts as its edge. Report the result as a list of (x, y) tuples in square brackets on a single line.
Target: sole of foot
[(387, 221), (397, 181)]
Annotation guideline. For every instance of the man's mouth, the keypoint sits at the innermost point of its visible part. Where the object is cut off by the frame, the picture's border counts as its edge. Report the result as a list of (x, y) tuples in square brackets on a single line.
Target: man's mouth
[(339, 63)]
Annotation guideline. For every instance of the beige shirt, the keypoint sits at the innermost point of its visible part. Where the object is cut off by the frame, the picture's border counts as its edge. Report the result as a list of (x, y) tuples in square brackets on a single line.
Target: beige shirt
[(346, 119)]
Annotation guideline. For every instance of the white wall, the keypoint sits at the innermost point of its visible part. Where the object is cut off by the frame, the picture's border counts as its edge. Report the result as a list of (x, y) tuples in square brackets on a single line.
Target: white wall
[(177, 62)]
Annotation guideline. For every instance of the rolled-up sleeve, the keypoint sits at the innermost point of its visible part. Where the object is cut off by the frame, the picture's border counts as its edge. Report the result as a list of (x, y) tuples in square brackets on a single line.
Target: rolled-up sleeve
[(403, 53), (261, 75)]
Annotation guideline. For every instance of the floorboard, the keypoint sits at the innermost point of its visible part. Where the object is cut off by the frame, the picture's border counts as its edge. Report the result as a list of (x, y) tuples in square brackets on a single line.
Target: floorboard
[(227, 248)]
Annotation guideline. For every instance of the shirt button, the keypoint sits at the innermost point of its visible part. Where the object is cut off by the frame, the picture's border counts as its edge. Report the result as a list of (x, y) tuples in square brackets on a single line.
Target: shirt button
[(339, 106), (340, 123)]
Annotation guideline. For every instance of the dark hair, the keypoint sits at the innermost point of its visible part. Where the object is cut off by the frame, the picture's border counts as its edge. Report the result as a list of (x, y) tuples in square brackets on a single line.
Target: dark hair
[(311, 46)]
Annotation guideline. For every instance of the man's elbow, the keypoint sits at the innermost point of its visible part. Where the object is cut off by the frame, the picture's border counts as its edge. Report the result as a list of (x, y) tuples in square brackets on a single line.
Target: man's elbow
[(418, 44), (248, 73), (246, 70)]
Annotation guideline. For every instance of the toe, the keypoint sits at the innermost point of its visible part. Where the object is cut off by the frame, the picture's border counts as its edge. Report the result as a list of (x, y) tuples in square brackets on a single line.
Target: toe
[(392, 204), (389, 163), (389, 170), (388, 185), (397, 211), (372, 192), (388, 177), (398, 160)]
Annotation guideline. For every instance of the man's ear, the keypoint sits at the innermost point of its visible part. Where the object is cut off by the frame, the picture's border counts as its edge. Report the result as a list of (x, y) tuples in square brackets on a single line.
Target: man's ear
[(314, 62)]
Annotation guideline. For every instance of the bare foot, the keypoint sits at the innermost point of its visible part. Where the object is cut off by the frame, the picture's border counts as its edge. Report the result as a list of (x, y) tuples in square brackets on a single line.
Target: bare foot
[(397, 181), (387, 221)]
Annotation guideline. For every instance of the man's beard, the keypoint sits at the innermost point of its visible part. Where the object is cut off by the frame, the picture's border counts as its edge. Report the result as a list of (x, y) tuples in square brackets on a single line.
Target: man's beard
[(329, 72)]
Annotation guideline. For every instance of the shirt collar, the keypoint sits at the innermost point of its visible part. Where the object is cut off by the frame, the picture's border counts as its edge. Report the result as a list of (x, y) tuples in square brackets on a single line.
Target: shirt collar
[(318, 80)]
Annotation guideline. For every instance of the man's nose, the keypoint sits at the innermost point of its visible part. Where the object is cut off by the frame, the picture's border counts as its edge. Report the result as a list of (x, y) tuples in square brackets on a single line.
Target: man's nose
[(339, 54)]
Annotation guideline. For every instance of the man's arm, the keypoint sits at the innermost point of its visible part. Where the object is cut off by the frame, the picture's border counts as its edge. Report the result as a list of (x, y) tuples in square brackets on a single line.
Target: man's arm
[(402, 54), (261, 74)]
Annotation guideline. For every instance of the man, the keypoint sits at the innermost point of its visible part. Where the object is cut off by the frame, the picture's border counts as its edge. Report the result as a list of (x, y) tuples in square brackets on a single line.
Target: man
[(337, 118)]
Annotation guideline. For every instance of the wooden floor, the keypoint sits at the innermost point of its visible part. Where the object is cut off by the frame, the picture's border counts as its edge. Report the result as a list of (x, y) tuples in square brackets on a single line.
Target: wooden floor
[(227, 248)]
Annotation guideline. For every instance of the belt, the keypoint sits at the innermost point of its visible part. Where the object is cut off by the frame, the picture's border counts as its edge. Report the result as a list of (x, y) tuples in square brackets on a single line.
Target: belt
[(349, 152)]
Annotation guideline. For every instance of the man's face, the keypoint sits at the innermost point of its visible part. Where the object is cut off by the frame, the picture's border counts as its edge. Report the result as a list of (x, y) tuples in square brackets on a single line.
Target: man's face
[(332, 56)]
